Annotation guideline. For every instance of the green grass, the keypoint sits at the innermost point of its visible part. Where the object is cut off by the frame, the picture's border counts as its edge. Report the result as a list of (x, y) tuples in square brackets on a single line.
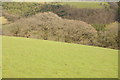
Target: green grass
[(0, 57), (32, 58), (85, 4)]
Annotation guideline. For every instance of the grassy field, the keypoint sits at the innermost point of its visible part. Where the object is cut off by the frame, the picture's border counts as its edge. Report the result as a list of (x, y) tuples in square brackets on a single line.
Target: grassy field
[(85, 4), (0, 57), (32, 58)]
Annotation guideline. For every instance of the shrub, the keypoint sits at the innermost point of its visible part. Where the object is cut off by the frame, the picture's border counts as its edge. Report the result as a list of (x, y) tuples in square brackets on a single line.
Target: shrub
[(113, 5), (49, 26), (0, 31), (10, 17), (109, 38), (99, 27), (119, 11)]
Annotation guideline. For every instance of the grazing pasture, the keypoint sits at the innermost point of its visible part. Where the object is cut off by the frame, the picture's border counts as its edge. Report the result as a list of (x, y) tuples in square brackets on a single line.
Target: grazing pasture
[(86, 4), (33, 58), (0, 57)]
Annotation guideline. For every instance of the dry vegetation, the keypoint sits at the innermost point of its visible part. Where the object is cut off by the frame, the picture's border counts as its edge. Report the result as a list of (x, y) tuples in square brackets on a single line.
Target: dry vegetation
[(14, 11), (3, 20), (91, 16), (63, 23), (109, 37), (49, 26)]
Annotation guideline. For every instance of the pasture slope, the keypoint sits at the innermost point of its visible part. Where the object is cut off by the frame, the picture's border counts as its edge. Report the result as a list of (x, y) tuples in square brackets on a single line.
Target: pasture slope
[(86, 4), (0, 57), (32, 58)]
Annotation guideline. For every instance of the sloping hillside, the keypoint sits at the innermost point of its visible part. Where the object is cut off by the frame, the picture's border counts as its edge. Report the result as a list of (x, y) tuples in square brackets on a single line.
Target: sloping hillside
[(32, 58), (49, 26), (90, 12), (0, 57)]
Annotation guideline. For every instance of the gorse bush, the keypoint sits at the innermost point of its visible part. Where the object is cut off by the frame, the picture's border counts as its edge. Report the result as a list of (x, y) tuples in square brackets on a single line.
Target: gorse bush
[(99, 27), (119, 11), (0, 31), (109, 38), (10, 17), (49, 26), (113, 5)]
